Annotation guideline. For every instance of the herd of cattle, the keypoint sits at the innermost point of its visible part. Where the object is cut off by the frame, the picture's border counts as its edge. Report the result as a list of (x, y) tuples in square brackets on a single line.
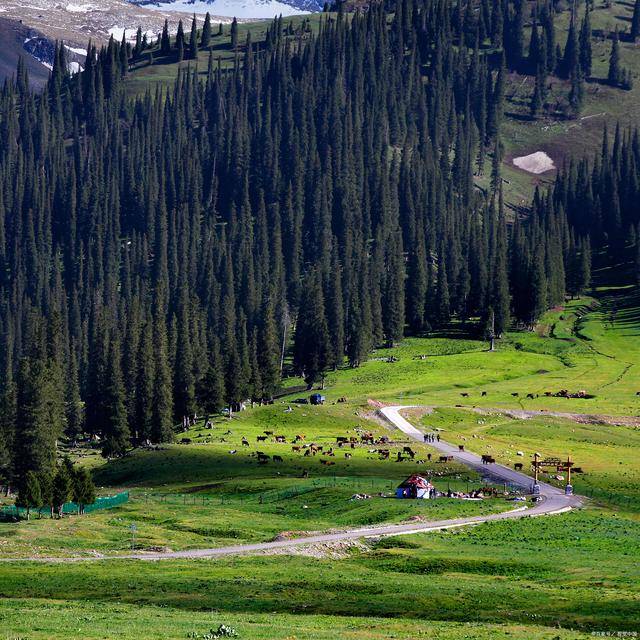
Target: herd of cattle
[(563, 393), (380, 448)]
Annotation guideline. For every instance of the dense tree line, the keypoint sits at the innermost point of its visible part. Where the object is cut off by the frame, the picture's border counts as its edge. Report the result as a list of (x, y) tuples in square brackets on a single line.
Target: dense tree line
[(157, 254)]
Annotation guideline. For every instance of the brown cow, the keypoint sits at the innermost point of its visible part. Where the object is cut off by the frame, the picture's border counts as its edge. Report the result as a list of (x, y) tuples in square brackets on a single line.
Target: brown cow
[(518, 466), (295, 448)]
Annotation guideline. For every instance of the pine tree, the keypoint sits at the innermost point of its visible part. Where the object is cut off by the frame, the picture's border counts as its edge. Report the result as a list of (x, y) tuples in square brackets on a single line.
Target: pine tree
[(115, 440), (584, 267), (162, 413), (165, 41), (62, 489), (35, 439), (635, 21), (205, 41), (193, 40), (537, 99), (180, 42), (614, 62), (535, 53), (585, 45), (312, 341), (234, 34), (29, 494), (550, 40), (84, 490), (576, 94), (570, 60)]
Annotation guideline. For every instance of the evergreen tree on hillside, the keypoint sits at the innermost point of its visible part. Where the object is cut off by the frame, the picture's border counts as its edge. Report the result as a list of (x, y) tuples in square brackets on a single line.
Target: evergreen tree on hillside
[(234, 34), (585, 45), (180, 42), (165, 41), (614, 61), (635, 21), (193, 40), (550, 39), (570, 60), (115, 440), (312, 346), (205, 41), (29, 494), (62, 489)]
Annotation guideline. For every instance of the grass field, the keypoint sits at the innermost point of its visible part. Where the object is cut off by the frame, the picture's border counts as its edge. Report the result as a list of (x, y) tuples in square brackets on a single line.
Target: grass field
[(562, 577)]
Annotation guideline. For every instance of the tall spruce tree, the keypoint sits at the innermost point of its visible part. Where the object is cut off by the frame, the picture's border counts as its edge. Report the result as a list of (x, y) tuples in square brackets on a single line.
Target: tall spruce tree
[(205, 41)]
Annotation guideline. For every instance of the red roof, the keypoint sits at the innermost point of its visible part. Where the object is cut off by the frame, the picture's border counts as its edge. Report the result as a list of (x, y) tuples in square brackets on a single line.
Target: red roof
[(416, 481)]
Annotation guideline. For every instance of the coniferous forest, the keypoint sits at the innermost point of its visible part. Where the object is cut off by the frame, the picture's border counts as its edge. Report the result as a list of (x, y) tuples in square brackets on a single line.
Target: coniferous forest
[(177, 253)]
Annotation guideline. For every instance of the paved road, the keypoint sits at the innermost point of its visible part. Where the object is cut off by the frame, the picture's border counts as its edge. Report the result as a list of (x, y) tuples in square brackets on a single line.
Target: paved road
[(555, 498), (554, 501)]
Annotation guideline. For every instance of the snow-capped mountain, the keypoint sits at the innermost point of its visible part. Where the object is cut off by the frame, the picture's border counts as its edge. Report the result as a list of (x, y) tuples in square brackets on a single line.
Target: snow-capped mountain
[(245, 9)]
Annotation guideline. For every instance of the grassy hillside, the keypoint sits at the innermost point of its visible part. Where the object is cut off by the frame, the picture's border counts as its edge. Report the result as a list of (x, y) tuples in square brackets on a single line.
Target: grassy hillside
[(200, 494)]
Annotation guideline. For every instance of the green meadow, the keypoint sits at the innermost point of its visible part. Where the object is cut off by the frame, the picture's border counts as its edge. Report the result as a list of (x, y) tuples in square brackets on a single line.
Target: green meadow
[(565, 576)]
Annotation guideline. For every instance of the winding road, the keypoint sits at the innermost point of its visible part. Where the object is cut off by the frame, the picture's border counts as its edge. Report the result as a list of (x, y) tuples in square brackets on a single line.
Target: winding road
[(553, 501)]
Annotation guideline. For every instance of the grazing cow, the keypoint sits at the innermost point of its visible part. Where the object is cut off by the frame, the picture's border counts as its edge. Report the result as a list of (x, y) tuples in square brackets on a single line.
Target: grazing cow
[(295, 447), (429, 457), (277, 459), (307, 453), (443, 459), (233, 451), (518, 466), (245, 442), (261, 438), (384, 454), (460, 447), (638, 393), (483, 394), (328, 463), (263, 460), (280, 439), (515, 394), (348, 456), (300, 436), (342, 439), (408, 450), (486, 459), (464, 395), (268, 433)]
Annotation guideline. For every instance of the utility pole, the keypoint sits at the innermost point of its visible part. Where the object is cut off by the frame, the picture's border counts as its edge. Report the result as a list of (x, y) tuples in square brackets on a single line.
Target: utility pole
[(492, 332), (536, 470)]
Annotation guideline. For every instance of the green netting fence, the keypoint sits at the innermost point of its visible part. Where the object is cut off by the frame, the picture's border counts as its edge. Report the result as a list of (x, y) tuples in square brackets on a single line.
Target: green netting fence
[(103, 502)]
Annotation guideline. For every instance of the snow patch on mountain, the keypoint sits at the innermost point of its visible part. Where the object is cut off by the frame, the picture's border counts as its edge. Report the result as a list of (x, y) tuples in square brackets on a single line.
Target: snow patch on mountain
[(235, 8)]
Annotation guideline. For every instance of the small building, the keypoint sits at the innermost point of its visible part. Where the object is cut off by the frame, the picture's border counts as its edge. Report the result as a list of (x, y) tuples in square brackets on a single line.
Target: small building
[(317, 398), (415, 486)]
